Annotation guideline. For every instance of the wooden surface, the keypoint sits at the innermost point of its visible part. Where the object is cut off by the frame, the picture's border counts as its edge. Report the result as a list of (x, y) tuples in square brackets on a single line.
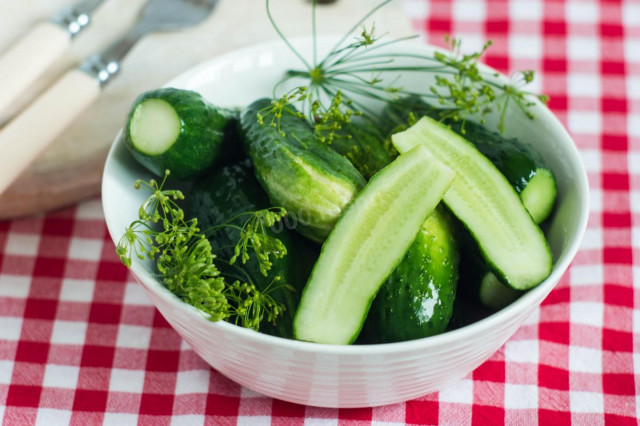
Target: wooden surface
[(70, 170)]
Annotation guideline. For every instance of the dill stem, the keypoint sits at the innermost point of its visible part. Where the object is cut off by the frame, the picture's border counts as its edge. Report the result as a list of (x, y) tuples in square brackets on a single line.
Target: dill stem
[(365, 86), (313, 27), (360, 58), (282, 36), (348, 33), (359, 70), (355, 51)]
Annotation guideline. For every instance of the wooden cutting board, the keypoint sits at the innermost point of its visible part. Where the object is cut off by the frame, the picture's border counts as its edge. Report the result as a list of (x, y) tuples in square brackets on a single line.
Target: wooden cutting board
[(71, 169)]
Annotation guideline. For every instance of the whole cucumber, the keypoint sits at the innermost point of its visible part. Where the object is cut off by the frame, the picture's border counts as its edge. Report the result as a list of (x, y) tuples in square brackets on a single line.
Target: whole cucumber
[(314, 183), (418, 297), (219, 198), (178, 130), (364, 145)]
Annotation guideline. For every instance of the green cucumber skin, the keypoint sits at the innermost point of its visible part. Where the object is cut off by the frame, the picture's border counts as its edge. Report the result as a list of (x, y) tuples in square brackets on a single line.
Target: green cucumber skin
[(503, 227), (361, 298), (364, 145), (201, 139), (417, 299), (395, 114), (314, 183), (222, 195)]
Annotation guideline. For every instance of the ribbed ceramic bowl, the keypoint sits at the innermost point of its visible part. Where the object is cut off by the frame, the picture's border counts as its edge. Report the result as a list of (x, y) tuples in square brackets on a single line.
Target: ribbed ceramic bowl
[(345, 376)]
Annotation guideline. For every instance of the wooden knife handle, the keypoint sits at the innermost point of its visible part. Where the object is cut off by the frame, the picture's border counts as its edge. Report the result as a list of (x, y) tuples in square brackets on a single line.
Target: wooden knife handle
[(25, 61), (31, 131)]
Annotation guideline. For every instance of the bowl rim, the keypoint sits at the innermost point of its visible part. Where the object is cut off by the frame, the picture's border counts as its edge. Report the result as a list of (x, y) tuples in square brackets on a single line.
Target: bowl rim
[(488, 322)]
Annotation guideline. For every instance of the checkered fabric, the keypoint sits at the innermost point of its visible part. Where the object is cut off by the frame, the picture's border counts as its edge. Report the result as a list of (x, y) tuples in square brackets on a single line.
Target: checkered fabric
[(81, 344)]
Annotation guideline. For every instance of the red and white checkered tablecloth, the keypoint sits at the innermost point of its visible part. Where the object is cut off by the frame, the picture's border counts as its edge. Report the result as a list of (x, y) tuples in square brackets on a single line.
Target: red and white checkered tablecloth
[(81, 344)]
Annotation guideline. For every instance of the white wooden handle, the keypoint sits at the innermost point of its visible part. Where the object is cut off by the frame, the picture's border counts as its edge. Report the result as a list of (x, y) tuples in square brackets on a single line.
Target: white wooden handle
[(30, 132), (27, 60)]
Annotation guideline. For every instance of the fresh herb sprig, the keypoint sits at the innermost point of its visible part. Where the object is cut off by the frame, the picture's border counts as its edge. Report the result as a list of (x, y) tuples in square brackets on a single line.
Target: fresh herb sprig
[(359, 68), (186, 264), (282, 105), (465, 91), (255, 239)]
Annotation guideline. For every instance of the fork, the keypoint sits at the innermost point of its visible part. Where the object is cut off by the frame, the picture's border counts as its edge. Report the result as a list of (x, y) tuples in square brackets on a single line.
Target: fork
[(30, 132)]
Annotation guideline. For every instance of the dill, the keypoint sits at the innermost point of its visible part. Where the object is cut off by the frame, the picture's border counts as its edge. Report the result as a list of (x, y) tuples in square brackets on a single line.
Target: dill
[(185, 262), (360, 66)]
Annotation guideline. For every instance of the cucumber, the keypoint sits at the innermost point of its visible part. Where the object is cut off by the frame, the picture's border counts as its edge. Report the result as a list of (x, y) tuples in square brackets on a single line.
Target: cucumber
[(364, 145), (177, 130), (481, 197), (366, 245), (219, 198), (493, 294), (532, 179), (524, 169), (417, 299), (477, 278), (466, 311), (314, 183), (539, 195), (520, 164), (395, 114)]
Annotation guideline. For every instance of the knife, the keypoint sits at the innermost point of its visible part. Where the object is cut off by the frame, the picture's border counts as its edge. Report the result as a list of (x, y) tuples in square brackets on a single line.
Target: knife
[(35, 127), (26, 60)]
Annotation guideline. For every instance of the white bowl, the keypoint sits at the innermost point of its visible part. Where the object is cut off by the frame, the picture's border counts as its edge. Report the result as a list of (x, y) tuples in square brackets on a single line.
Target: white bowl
[(344, 376)]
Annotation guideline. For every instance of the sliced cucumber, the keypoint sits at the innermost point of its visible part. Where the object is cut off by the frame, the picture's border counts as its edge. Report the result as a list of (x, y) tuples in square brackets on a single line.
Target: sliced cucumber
[(484, 201), (538, 201), (154, 127), (517, 161), (493, 294), (367, 243), (177, 130)]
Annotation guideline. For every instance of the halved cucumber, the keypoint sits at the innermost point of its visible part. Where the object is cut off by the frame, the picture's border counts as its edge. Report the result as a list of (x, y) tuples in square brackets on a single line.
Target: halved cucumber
[(517, 161), (481, 197), (177, 130), (367, 243), (538, 200)]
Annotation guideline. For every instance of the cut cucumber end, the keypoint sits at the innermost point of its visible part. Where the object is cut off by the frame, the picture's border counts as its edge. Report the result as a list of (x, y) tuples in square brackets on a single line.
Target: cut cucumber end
[(154, 126), (494, 294), (539, 195)]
